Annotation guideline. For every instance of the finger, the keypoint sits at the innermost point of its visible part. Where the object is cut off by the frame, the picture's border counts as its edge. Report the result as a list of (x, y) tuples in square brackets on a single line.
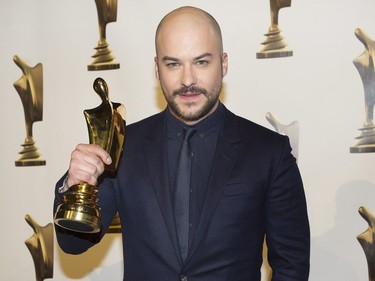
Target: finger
[(86, 164), (79, 176), (83, 172), (96, 150)]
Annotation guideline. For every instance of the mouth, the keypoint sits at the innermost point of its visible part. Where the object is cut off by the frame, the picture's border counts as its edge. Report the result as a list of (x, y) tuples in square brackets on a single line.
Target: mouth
[(190, 92), (189, 97)]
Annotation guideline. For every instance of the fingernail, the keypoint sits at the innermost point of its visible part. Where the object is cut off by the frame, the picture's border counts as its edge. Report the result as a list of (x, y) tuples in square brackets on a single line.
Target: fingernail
[(109, 160)]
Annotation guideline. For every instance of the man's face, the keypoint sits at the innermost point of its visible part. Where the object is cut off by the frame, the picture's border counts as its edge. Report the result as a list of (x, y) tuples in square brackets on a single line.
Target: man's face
[(190, 66)]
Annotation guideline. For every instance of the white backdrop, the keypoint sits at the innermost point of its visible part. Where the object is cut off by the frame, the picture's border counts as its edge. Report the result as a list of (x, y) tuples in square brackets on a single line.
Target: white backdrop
[(319, 86)]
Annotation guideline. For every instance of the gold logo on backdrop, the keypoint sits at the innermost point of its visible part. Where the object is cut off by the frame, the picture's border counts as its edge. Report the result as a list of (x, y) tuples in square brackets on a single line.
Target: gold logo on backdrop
[(103, 58), (30, 90), (275, 46), (40, 245)]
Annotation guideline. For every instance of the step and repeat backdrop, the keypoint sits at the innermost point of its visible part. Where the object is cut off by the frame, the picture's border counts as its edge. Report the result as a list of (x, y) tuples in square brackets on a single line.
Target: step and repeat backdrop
[(302, 68)]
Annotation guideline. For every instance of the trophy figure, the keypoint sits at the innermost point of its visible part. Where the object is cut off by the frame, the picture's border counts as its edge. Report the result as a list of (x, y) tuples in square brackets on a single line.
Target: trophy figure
[(40, 245), (366, 239), (30, 90), (80, 211), (275, 45), (291, 130), (365, 66), (103, 58)]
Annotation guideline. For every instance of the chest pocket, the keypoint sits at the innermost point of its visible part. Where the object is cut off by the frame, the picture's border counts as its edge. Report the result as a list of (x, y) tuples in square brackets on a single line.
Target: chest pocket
[(244, 188), (240, 201)]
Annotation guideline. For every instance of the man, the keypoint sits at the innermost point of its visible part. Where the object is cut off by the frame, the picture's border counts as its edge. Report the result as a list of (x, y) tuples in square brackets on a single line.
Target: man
[(244, 182)]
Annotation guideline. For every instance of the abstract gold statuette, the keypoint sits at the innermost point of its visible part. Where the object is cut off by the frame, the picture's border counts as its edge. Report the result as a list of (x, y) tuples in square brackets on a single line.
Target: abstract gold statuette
[(40, 245), (30, 90), (106, 126), (103, 58), (365, 66), (367, 241), (291, 130), (275, 45)]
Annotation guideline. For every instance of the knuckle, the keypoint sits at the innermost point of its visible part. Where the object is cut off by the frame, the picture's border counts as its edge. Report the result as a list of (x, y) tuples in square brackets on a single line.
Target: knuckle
[(85, 177)]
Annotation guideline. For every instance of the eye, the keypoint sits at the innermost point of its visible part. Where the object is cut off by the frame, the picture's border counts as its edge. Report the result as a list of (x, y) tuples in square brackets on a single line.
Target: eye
[(172, 65), (202, 62)]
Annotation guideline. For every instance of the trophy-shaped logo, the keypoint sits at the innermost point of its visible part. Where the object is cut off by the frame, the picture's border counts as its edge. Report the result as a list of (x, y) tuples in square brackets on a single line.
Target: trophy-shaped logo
[(365, 66), (40, 245), (30, 90), (103, 58), (367, 241), (275, 45), (291, 131), (106, 125)]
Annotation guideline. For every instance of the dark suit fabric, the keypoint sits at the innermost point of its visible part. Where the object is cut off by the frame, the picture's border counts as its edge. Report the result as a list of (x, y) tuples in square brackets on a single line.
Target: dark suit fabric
[(255, 189)]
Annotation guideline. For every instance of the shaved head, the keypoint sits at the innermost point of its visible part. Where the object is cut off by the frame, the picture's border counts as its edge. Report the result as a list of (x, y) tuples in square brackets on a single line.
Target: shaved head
[(188, 15)]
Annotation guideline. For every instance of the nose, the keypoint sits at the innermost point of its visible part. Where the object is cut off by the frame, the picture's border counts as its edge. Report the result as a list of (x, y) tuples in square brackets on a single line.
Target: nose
[(188, 76)]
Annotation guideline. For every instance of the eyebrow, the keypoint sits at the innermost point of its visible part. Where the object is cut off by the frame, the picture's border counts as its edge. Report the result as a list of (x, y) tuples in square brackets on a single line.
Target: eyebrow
[(168, 58), (204, 55)]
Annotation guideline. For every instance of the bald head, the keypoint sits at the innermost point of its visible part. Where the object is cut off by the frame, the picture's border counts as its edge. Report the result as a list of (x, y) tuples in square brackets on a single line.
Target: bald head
[(188, 19)]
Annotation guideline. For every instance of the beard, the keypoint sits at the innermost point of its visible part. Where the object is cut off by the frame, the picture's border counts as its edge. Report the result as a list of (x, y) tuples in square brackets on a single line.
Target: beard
[(193, 115)]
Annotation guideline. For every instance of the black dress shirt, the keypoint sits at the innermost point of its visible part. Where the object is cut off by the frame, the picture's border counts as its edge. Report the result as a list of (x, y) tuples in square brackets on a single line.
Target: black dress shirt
[(203, 146)]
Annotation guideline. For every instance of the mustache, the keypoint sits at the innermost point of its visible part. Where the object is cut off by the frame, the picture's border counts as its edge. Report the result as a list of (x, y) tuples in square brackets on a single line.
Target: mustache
[(192, 89)]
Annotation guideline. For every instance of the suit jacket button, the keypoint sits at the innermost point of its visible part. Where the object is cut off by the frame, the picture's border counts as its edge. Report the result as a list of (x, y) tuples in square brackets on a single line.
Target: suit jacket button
[(183, 278)]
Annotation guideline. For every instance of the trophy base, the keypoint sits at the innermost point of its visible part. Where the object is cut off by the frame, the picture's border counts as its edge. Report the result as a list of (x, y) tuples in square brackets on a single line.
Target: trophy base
[(362, 149), (366, 141), (274, 54), (103, 66), (73, 217), (30, 162), (30, 155)]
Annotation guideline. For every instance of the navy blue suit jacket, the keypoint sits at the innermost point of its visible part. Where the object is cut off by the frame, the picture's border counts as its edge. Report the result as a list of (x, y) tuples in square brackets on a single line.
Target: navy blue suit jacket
[(255, 190)]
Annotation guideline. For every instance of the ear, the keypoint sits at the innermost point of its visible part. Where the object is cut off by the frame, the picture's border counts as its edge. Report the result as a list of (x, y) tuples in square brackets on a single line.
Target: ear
[(156, 68), (224, 64)]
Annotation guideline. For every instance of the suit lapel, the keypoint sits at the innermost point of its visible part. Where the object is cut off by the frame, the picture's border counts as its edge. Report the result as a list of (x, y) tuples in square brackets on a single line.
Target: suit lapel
[(156, 158), (221, 169)]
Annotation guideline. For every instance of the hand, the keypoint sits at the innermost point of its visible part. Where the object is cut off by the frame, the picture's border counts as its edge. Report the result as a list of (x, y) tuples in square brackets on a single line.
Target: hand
[(87, 163)]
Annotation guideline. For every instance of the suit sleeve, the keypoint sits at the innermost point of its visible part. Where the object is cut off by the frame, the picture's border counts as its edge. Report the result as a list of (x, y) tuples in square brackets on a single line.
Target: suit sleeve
[(287, 225)]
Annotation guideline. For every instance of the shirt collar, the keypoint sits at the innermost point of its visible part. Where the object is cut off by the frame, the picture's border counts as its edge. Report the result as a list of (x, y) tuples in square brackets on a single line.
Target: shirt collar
[(204, 127)]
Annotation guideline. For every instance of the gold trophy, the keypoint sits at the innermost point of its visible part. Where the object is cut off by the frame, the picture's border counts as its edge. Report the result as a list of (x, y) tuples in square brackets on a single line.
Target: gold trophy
[(30, 90), (365, 64), (106, 125), (103, 58), (40, 245), (275, 45)]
